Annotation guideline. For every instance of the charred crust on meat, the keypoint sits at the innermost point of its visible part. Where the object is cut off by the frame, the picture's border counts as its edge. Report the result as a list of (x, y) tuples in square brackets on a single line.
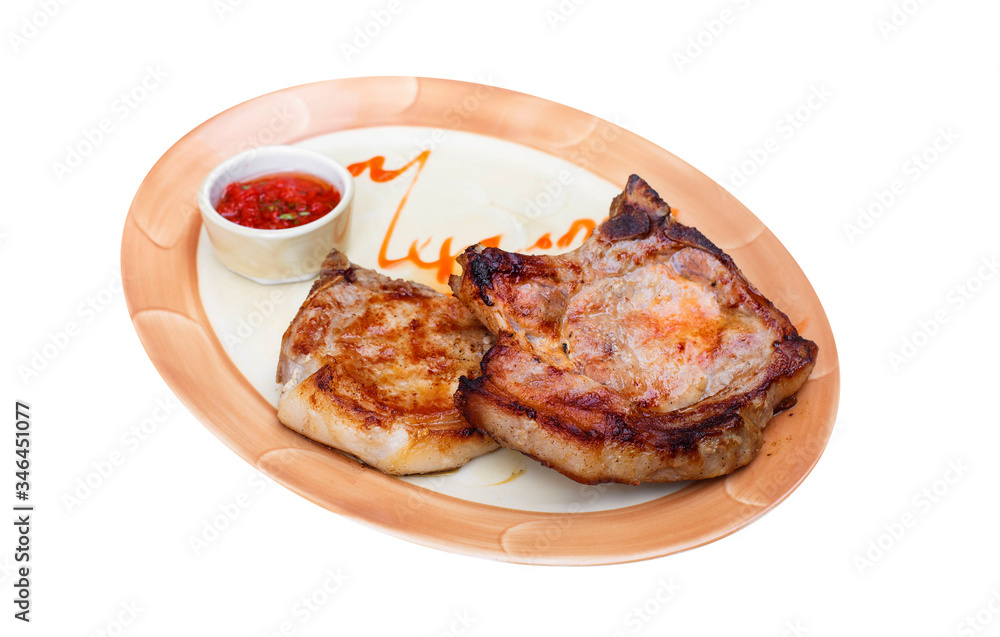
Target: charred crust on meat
[(483, 265), (686, 440), (488, 268), (618, 427), (630, 223), (639, 191), (491, 352), (323, 378), (690, 236), (591, 401), (467, 386), (482, 271), (524, 410)]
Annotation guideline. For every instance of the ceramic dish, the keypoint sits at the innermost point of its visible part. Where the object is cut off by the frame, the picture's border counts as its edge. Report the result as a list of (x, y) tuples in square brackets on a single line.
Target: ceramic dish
[(164, 268)]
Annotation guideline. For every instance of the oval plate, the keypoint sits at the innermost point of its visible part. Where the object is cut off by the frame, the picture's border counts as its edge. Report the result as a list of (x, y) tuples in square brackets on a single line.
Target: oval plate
[(160, 278)]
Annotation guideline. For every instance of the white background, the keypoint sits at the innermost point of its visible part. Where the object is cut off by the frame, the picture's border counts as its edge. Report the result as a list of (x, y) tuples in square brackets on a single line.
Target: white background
[(799, 570)]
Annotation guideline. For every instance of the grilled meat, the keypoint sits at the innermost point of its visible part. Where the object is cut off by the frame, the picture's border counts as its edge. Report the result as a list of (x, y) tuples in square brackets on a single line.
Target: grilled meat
[(644, 355), (369, 366)]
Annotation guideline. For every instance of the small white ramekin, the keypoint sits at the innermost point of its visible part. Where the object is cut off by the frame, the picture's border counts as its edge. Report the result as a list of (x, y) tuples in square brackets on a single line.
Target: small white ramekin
[(276, 256)]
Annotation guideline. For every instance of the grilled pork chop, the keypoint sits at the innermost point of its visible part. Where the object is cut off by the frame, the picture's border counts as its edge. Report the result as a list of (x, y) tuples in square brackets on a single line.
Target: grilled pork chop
[(369, 366), (644, 355)]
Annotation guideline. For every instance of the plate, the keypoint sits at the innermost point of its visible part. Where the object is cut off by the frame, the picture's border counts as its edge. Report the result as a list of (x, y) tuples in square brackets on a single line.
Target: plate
[(162, 276)]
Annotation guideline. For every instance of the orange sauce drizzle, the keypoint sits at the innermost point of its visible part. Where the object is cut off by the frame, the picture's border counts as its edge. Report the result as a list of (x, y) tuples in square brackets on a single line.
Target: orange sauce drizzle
[(544, 242), (446, 260), (586, 224)]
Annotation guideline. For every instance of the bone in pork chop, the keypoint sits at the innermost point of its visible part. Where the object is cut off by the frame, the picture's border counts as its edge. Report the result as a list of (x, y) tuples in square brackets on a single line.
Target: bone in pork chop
[(644, 355)]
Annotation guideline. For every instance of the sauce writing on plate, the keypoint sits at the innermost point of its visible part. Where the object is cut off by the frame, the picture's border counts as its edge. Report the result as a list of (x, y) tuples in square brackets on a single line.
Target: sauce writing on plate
[(444, 264), (278, 201)]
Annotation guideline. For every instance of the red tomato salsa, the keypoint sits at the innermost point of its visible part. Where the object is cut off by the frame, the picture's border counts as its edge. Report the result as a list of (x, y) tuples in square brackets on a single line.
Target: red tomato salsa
[(275, 202)]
